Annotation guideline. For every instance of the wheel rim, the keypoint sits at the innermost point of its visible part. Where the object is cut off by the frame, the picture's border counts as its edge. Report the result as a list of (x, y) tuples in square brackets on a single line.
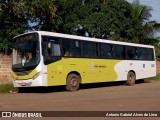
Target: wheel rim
[(73, 82), (131, 78)]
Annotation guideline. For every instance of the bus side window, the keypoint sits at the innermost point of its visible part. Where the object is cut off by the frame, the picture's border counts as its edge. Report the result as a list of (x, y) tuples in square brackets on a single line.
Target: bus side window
[(139, 53), (71, 48), (144, 54), (51, 49), (56, 50), (89, 49), (105, 50), (131, 53), (150, 54), (119, 51)]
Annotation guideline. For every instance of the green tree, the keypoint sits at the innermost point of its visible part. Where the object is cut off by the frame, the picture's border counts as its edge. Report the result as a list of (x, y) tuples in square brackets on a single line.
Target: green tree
[(97, 18), (147, 29), (11, 23), (18, 16), (40, 14), (108, 19)]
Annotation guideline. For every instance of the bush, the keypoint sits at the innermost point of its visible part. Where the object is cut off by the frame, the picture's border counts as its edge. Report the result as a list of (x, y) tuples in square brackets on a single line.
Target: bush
[(8, 88), (157, 77)]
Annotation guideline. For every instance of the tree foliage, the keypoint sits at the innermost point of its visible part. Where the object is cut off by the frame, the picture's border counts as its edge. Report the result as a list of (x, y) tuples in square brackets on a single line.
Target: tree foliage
[(11, 23), (141, 14), (106, 19), (97, 18), (18, 16)]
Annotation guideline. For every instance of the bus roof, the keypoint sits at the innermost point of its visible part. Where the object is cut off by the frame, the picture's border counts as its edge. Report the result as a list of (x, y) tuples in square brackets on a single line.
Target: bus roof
[(86, 38)]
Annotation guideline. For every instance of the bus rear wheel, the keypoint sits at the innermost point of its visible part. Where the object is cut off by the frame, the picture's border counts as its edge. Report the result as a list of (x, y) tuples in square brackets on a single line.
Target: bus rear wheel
[(131, 78), (73, 82)]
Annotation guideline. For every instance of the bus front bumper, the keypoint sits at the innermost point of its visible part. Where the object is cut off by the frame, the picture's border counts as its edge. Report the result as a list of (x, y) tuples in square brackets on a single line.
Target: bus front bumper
[(27, 83)]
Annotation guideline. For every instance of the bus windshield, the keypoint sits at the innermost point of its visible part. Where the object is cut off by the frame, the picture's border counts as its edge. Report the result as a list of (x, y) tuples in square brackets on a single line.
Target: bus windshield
[(26, 55)]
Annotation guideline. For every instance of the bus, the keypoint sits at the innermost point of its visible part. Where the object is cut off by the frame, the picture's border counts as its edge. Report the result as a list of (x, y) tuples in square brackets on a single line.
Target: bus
[(42, 58)]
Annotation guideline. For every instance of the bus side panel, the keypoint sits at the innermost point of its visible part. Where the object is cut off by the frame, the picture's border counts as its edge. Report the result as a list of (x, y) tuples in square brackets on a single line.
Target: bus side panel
[(91, 70), (142, 69), (55, 72)]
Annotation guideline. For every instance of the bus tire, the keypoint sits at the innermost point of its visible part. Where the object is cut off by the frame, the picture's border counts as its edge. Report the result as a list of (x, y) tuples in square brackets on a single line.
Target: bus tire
[(72, 83), (131, 79)]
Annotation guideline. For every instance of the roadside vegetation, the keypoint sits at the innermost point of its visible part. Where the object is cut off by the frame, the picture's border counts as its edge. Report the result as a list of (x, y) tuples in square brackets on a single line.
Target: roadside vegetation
[(8, 88), (157, 77)]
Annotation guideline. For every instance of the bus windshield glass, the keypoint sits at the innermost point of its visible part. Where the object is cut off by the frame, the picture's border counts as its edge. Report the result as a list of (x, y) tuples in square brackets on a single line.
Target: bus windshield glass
[(26, 55)]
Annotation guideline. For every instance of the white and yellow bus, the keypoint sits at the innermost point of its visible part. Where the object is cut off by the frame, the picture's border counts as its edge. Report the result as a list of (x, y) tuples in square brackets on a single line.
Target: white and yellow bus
[(52, 59)]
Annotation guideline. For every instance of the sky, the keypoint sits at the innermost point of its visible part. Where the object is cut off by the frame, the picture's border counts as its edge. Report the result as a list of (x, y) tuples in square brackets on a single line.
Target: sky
[(155, 5)]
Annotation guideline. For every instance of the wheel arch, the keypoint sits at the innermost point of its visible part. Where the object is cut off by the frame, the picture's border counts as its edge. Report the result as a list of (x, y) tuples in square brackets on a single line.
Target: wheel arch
[(75, 72), (132, 71)]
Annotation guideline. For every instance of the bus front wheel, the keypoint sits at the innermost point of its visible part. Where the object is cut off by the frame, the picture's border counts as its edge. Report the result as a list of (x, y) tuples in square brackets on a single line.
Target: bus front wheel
[(73, 82), (131, 78)]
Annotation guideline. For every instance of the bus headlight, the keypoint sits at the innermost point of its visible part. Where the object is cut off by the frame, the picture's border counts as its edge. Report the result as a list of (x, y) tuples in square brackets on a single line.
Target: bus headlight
[(36, 75)]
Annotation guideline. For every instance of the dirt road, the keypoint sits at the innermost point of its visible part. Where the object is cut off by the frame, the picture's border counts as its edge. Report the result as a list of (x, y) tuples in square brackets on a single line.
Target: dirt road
[(141, 97)]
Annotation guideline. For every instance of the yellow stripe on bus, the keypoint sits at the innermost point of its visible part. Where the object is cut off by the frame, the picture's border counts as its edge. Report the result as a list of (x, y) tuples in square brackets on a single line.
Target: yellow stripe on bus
[(24, 77)]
